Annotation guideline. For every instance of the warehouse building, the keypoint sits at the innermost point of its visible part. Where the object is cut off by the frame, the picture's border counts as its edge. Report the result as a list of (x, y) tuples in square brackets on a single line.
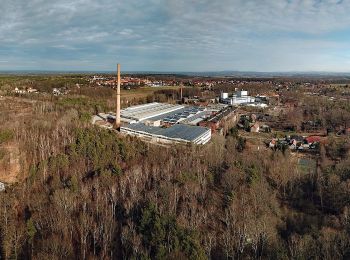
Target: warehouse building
[(178, 133), (155, 114), (161, 122), (142, 112), (157, 122)]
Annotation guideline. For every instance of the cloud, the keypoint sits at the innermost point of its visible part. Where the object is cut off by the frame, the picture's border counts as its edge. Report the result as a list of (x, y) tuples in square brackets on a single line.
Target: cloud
[(176, 34)]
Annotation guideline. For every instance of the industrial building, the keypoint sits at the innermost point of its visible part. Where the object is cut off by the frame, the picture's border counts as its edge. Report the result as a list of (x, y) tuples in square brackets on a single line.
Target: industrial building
[(179, 133), (158, 122), (241, 97), (152, 110), (221, 120), (158, 114)]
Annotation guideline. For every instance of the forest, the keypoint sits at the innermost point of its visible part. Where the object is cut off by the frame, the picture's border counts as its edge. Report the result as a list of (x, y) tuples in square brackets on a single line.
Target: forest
[(89, 193)]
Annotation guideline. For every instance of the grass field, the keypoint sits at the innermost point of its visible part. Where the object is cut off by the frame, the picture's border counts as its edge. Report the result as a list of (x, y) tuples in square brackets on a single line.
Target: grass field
[(143, 92)]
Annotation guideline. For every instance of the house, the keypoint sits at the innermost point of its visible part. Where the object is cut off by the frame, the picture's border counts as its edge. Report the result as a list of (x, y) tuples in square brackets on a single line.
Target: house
[(273, 143), (313, 139), (255, 128), (293, 144), (32, 90)]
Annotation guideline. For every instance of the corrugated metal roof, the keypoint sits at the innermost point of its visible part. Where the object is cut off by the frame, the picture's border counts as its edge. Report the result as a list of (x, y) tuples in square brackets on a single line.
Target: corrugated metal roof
[(147, 111), (178, 131), (176, 115)]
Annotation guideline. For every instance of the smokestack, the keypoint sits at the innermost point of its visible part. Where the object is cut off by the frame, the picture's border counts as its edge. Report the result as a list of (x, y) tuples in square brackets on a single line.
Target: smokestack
[(117, 119), (181, 92)]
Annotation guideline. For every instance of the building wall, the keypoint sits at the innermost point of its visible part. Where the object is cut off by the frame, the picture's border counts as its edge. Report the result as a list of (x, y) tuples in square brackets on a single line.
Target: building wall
[(242, 93), (200, 140)]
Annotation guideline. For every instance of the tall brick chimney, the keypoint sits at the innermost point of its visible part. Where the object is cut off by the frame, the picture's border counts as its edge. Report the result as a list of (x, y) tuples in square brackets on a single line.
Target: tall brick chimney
[(117, 118)]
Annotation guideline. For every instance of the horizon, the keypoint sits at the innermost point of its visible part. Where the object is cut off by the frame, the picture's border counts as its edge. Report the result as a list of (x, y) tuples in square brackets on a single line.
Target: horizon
[(247, 36), (222, 72)]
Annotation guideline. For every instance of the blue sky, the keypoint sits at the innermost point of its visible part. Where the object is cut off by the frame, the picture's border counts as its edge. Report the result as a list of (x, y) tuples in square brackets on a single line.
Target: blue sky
[(175, 35)]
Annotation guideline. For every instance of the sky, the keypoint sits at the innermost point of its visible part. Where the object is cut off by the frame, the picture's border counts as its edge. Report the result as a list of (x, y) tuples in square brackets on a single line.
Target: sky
[(175, 35)]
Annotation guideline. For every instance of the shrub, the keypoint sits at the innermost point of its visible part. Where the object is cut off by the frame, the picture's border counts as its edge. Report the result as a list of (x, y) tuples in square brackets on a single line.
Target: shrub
[(5, 136)]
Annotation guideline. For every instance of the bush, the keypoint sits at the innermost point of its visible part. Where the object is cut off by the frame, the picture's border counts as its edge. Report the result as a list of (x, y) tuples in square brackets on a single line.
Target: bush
[(241, 144), (233, 132), (5, 136)]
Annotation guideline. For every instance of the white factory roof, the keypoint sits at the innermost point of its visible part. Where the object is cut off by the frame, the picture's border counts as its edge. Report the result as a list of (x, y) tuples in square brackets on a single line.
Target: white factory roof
[(178, 132), (143, 112), (195, 119)]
